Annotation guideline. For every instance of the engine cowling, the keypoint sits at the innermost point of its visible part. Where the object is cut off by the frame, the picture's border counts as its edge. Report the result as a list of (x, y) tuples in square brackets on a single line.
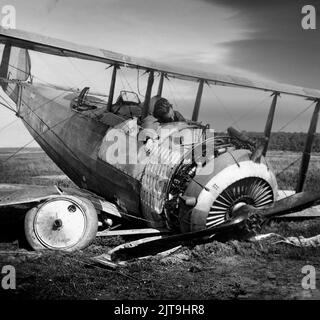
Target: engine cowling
[(235, 180)]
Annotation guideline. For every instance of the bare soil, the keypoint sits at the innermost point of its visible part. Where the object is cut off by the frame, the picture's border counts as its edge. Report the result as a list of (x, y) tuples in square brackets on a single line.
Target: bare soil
[(231, 270), (215, 270)]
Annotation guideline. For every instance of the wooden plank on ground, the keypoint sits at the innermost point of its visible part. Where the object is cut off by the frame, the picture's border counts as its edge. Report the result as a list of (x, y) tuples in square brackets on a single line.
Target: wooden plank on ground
[(129, 232)]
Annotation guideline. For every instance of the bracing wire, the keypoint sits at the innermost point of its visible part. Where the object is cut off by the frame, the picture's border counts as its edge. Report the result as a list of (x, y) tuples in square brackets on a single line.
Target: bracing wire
[(50, 129), (45, 103), (8, 124), (48, 68), (171, 92), (17, 151), (250, 111), (224, 107), (54, 98), (126, 80), (6, 104), (42, 121), (85, 78), (122, 83), (235, 121), (40, 135), (68, 88), (33, 76), (7, 107), (296, 117), (138, 83), (180, 97), (284, 126), (288, 166)]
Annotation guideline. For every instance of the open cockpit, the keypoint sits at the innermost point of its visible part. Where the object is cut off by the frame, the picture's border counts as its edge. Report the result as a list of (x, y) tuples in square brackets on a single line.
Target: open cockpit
[(127, 106)]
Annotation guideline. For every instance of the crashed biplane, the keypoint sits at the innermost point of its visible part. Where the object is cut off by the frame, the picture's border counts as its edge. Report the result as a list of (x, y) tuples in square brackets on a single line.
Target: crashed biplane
[(179, 197)]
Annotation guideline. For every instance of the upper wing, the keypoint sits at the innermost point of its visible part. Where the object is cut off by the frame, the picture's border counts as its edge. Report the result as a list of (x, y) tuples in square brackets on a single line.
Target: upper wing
[(53, 46)]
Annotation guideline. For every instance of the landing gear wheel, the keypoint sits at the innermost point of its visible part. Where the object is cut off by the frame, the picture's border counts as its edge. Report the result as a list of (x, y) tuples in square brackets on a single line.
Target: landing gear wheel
[(64, 223)]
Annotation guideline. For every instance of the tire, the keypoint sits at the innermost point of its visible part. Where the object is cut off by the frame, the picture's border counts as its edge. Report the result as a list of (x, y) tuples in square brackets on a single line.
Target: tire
[(65, 223)]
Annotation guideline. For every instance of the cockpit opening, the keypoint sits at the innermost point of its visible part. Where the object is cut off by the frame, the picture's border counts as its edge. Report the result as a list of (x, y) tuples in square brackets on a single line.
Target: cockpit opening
[(127, 106)]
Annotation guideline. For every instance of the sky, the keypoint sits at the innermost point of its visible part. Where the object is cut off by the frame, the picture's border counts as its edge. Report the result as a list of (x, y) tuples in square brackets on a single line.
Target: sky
[(257, 39)]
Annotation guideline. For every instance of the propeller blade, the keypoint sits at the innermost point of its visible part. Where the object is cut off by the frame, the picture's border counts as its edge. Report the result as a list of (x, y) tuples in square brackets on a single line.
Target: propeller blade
[(128, 251), (291, 204), (257, 216), (246, 217)]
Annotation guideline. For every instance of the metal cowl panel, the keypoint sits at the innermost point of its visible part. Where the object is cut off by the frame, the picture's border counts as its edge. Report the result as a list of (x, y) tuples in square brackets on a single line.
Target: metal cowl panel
[(163, 161), (229, 186)]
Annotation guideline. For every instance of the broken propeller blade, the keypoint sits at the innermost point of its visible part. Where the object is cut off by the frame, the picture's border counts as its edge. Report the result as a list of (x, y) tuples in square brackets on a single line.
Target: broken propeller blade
[(291, 204), (246, 218), (257, 216), (154, 246)]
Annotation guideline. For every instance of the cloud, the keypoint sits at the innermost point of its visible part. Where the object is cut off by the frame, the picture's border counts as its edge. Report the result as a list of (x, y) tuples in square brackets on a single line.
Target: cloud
[(51, 4), (275, 44), (252, 38)]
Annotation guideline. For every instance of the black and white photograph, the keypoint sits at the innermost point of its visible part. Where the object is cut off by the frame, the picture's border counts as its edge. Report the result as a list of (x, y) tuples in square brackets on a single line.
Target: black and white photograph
[(159, 155)]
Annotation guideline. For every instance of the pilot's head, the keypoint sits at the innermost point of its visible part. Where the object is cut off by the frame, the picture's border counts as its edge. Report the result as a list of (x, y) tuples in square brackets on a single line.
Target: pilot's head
[(163, 110)]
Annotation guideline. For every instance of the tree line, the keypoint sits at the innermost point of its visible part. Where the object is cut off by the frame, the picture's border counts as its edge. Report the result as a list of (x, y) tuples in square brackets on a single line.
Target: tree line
[(288, 141)]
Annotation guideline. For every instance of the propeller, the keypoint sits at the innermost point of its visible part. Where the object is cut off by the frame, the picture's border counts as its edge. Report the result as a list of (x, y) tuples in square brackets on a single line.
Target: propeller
[(291, 204), (247, 218)]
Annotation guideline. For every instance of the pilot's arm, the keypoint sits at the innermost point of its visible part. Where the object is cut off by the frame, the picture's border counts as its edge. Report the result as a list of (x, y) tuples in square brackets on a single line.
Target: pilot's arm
[(178, 116)]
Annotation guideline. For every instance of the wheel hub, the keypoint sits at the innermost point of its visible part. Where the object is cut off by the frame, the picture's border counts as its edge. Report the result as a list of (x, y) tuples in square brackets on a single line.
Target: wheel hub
[(59, 224)]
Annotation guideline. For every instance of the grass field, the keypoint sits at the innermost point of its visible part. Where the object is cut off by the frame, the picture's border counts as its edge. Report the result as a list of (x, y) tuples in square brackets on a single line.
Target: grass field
[(287, 179), (231, 270), (32, 166)]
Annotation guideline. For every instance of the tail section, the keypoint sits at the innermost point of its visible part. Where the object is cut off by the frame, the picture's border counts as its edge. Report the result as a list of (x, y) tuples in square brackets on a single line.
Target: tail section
[(15, 65)]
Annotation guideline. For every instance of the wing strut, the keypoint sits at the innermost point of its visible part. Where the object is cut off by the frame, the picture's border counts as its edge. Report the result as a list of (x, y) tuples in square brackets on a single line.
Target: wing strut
[(112, 86), (147, 98), (4, 67), (307, 148), (160, 87), (268, 127), (197, 103)]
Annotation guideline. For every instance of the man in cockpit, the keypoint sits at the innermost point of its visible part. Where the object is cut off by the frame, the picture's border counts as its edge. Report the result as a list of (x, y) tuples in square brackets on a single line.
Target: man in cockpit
[(160, 111), (163, 112)]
